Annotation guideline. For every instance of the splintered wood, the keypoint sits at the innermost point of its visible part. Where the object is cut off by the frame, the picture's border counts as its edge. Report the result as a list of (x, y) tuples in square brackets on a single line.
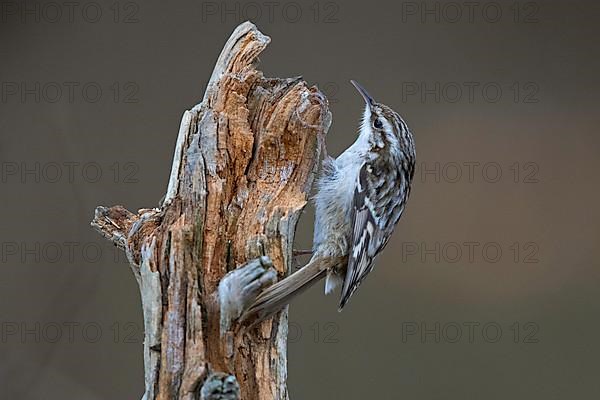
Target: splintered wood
[(244, 162)]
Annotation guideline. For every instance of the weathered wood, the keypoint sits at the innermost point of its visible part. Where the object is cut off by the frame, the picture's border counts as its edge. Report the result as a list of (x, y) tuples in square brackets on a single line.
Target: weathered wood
[(244, 162)]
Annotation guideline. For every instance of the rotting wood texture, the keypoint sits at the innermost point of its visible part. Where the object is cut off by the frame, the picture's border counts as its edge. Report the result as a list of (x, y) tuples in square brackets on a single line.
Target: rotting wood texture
[(244, 162)]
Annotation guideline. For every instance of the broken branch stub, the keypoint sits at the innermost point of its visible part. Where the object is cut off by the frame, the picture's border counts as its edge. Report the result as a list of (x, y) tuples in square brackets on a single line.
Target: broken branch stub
[(244, 162)]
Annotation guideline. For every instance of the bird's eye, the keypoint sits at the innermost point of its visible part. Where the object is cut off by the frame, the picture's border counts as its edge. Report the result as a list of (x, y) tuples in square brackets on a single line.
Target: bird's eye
[(377, 123)]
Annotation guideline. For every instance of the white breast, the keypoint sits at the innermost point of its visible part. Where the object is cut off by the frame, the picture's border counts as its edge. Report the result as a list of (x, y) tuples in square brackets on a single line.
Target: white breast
[(333, 202)]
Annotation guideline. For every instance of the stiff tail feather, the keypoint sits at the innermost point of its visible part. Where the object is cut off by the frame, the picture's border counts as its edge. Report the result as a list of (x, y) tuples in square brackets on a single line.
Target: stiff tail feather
[(277, 296)]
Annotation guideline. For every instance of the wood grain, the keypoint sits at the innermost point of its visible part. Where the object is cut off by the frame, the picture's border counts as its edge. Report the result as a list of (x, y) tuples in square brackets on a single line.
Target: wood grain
[(244, 163)]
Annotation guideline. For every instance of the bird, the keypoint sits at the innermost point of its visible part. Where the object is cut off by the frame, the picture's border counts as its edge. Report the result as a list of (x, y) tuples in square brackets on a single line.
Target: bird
[(360, 197)]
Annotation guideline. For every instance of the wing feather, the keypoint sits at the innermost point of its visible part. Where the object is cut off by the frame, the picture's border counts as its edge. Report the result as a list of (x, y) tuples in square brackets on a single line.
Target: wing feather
[(368, 235)]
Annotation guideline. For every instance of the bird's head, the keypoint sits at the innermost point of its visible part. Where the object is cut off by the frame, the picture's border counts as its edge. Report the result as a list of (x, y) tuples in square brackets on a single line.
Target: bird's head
[(384, 125)]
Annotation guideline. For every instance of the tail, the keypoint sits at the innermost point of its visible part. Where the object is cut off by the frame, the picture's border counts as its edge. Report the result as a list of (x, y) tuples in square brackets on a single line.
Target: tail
[(277, 296)]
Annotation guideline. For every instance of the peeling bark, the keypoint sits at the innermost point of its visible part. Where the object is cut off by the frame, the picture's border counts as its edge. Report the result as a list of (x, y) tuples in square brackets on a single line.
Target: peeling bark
[(244, 163)]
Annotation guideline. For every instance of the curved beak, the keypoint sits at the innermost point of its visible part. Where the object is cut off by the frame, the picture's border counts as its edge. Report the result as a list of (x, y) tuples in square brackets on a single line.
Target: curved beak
[(363, 92)]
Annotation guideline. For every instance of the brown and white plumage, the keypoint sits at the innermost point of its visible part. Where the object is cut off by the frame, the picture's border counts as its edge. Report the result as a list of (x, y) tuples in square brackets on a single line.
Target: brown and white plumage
[(359, 199), (380, 193)]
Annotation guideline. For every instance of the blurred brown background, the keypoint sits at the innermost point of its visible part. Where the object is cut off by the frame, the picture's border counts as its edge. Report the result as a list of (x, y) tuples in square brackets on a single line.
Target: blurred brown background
[(489, 287)]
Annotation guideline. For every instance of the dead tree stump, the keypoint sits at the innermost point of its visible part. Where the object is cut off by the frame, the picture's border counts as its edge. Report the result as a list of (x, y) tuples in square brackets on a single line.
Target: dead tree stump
[(244, 162)]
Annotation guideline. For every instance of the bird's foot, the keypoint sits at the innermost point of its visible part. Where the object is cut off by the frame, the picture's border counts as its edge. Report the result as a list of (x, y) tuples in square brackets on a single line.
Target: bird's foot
[(220, 386), (239, 288)]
